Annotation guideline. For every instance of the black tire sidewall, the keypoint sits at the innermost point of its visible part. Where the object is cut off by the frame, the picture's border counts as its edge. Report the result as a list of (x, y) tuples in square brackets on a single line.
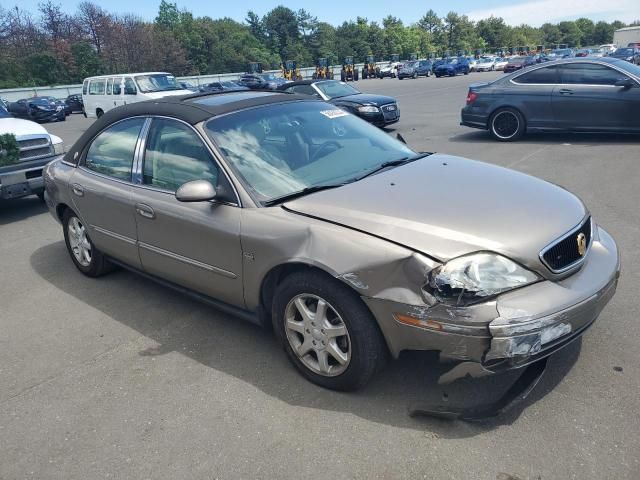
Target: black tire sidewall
[(368, 350)]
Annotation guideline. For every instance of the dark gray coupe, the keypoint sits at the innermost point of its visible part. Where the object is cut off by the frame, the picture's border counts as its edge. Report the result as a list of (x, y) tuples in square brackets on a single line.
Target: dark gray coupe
[(577, 95)]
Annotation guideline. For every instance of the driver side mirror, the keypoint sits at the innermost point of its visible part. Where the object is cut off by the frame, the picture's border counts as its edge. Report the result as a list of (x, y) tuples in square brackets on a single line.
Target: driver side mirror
[(196, 191), (625, 83)]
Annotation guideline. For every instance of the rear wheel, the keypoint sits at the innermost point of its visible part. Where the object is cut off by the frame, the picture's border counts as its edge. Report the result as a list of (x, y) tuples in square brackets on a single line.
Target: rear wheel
[(99, 113), (507, 124), (327, 332), (86, 257), (342, 75), (355, 75)]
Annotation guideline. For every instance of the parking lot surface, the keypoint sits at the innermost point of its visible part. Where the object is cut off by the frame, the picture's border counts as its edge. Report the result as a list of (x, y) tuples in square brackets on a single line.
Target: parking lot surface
[(118, 377)]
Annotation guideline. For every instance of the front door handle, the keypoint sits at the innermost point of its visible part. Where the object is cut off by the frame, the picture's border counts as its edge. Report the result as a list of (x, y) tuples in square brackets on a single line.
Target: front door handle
[(565, 91), (78, 190), (145, 211)]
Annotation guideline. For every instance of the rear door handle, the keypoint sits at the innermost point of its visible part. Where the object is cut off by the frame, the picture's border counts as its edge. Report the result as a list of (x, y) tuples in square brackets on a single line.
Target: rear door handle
[(145, 211), (78, 190), (565, 91)]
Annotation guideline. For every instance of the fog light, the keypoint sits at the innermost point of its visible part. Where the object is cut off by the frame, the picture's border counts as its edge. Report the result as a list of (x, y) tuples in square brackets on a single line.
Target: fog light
[(417, 322)]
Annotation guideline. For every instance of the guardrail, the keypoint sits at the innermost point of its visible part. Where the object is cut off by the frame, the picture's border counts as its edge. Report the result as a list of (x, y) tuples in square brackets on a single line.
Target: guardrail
[(62, 91)]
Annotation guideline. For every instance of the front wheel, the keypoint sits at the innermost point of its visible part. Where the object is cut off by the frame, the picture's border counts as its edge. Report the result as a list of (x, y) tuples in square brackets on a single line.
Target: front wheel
[(327, 331), (86, 257), (507, 124)]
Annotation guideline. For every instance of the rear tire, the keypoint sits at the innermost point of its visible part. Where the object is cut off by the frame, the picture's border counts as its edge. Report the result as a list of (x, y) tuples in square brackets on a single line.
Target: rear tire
[(86, 257), (346, 326), (507, 124), (99, 113)]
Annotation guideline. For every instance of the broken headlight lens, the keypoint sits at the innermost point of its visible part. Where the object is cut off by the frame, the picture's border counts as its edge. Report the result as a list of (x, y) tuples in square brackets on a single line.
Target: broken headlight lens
[(476, 277)]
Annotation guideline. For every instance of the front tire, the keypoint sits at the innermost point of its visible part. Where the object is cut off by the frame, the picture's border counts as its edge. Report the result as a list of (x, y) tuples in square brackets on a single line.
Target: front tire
[(327, 332), (86, 257), (507, 124)]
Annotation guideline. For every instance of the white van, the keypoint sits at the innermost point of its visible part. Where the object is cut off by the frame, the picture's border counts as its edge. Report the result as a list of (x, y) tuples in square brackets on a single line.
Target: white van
[(101, 94)]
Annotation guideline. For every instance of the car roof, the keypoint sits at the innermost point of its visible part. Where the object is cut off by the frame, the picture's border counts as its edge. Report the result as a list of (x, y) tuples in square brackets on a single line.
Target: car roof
[(193, 108)]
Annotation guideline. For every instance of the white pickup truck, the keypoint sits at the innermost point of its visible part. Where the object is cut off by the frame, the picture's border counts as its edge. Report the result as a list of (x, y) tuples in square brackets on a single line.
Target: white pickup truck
[(37, 147)]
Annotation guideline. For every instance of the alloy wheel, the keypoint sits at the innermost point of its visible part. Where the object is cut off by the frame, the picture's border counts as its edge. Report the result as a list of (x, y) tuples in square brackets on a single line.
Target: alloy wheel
[(80, 245), (317, 335), (505, 124)]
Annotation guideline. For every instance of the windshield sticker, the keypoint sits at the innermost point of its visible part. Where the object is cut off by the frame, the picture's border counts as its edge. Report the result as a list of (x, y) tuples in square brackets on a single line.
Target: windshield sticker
[(334, 113)]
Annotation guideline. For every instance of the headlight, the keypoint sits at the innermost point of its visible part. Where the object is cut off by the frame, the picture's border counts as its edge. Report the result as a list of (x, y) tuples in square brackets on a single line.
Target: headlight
[(476, 277), (368, 109), (58, 148)]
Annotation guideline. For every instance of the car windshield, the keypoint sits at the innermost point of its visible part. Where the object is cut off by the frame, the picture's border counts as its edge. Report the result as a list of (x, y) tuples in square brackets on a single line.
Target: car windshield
[(283, 149), (624, 51), (562, 52), (515, 60), (159, 82), (270, 77), (630, 68), (485, 60), (335, 89)]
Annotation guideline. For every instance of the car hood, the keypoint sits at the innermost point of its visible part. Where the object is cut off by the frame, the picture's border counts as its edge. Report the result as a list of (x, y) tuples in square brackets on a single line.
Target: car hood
[(446, 206), (19, 127), (366, 99)]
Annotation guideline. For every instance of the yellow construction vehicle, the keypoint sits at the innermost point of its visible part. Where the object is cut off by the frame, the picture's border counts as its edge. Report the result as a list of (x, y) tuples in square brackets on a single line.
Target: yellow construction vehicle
[(370, 69), (290, 70), (323, 71), (349, 71)]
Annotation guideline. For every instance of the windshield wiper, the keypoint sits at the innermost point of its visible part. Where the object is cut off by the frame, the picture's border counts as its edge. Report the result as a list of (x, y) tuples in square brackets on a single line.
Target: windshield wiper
[(393, 163), (300, 193)]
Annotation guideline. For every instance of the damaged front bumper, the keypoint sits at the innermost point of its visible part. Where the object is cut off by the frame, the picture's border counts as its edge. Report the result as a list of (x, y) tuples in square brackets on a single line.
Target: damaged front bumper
[(515, 329)]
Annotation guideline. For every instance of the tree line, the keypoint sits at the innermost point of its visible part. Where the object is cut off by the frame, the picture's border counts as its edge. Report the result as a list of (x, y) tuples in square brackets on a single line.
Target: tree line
[(53, 47)]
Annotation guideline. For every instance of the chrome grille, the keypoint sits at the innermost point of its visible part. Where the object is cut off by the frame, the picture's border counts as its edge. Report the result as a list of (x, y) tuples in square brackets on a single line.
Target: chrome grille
[(33, 142), (35, 147), (390, 111), (564, 253)]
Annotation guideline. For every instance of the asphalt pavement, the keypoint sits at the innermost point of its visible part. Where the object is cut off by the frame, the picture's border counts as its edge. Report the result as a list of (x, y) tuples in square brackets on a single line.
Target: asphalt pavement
[(120, 378)]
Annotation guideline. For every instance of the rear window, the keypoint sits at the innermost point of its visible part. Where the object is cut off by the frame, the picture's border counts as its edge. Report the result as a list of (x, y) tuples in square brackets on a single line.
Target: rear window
[(96, 87)]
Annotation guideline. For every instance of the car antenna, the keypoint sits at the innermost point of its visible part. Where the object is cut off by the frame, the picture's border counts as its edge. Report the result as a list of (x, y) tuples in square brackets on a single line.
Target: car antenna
[(401, 138)]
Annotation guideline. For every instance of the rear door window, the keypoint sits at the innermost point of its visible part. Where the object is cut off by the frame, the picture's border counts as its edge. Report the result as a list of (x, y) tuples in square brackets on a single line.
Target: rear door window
[(109, 85), (590, 74), (546, 75), (111, 153), (117, 89), (96, 87)]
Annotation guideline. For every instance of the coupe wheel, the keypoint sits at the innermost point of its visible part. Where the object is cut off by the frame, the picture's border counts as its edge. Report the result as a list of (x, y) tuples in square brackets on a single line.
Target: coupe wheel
[(88, 259), (327, 332), (507, 124)]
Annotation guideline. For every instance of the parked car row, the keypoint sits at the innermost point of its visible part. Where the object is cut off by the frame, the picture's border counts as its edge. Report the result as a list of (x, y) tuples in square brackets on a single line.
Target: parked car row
[(44, 108)]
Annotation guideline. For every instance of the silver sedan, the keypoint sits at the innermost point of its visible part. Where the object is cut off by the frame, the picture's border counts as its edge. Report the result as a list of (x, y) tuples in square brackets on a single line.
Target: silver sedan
[(297, 215)]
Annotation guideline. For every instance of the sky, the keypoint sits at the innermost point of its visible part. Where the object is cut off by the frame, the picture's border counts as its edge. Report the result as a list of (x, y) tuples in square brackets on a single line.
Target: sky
[(514, 12)]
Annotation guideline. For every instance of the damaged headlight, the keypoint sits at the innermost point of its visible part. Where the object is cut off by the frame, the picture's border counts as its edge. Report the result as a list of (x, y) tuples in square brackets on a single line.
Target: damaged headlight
[(476, 277)]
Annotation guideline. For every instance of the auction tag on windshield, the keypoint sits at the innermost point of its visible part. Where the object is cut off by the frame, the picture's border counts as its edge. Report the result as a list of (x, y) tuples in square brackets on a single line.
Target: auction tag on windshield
[(334, 113)]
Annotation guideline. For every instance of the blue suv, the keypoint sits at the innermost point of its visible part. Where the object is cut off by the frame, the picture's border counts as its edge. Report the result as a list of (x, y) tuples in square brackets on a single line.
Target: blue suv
[(453, 66)]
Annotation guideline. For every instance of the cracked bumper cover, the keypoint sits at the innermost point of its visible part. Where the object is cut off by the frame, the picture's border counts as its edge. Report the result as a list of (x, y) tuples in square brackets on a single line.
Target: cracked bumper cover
[(518, 327)]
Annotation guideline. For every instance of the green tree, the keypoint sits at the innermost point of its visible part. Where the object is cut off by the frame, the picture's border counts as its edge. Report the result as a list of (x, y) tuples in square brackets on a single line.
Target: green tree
[(86, 61)]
